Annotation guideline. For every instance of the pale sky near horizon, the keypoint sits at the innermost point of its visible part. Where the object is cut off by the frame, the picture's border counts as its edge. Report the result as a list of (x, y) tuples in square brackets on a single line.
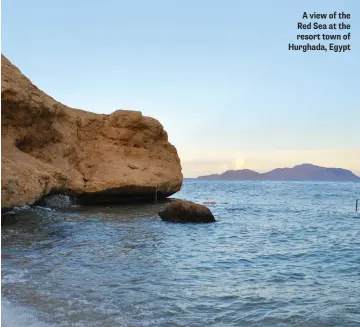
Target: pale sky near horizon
[(217, 74)]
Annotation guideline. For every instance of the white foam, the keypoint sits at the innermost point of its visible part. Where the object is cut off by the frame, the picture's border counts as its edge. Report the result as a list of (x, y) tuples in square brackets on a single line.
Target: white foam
[(15, 316), (21, 208), (44, 208)]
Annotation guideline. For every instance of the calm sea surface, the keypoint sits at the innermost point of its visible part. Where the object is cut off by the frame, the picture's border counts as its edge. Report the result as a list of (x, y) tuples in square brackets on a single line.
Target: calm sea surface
[(280, 254)]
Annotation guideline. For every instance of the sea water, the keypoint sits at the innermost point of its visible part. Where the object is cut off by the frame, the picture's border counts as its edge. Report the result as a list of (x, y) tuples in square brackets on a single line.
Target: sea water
[(280, 254)]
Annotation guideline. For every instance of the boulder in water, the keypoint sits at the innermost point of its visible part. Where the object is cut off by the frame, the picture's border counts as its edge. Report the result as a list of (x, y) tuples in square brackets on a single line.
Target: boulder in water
[(181, 211)]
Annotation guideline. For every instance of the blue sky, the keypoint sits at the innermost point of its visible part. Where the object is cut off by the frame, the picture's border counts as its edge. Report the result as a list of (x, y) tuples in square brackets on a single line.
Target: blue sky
[(217, 74)]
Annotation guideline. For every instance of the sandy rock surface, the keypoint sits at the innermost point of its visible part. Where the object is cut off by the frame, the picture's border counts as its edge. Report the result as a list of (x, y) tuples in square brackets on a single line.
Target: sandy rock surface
[(48, 147)]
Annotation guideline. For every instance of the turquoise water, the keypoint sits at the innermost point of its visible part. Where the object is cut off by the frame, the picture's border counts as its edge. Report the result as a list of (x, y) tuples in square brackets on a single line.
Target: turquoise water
[(280, 254)]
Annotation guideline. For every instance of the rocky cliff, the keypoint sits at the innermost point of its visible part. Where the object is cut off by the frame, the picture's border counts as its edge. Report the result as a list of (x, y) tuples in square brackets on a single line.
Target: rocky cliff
[(48, 148)]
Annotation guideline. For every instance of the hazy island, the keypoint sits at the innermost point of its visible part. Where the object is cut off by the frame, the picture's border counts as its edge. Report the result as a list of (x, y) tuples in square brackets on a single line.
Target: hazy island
[(299, 172)]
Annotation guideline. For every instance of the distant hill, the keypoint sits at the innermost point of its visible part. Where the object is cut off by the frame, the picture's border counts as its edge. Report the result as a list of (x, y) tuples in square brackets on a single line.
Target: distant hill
[(299, 172), (243, 174)]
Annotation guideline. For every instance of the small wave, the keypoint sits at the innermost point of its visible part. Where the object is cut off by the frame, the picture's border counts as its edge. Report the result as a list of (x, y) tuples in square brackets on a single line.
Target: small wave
[(21, 208), (13, 277), (235, 209)]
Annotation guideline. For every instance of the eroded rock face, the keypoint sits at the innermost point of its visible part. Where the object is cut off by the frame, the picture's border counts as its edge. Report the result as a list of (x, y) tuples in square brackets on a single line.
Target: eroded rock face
[(181, 211), (48, 147)]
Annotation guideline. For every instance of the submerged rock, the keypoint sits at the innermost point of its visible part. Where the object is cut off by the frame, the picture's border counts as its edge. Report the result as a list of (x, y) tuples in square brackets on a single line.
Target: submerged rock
[(181, 211), (48, 147), (57, 201)]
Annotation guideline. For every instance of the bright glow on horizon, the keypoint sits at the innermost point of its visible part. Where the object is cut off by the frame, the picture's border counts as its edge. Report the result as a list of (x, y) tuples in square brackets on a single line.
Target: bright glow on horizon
[(196, 162)]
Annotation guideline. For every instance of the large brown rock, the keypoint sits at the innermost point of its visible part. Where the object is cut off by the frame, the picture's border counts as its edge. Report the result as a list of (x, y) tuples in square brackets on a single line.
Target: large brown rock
[(181, 211), (48, 147)]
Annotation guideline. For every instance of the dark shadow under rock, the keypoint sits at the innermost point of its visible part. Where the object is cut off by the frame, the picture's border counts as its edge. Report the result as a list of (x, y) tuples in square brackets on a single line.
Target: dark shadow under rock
[(123, 195)]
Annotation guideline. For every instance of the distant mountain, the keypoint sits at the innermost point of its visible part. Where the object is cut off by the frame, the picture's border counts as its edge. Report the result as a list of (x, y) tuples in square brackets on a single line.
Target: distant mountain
[(299, 172), (243, 174)]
